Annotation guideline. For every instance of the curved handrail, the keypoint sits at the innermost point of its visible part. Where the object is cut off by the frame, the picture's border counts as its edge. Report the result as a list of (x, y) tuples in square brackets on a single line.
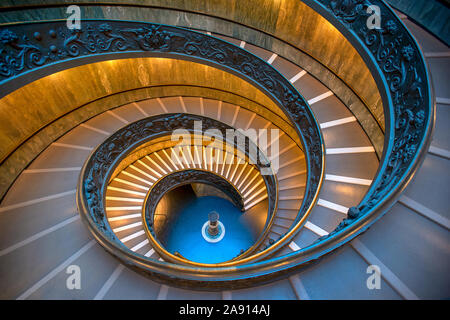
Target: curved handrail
[(102, 163), (105, 38), (183, 177), (175, 180), (400, 72), (269, 179), (398, 66)]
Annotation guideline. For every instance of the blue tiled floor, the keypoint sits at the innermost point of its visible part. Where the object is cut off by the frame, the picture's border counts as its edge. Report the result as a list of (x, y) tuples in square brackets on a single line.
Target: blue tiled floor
[(186, 238)]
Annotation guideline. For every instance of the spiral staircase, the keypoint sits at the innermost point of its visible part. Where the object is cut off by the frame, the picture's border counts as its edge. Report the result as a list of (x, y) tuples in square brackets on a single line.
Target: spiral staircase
[(310, 216)]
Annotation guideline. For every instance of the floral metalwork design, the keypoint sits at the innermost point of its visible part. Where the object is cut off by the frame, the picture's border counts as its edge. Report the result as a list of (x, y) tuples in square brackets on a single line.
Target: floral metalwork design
[(20, 52), (400, 62), (105, 158)]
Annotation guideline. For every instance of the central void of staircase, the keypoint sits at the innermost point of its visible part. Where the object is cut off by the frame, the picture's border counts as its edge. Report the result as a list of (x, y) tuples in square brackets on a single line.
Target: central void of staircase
[(184, 234)]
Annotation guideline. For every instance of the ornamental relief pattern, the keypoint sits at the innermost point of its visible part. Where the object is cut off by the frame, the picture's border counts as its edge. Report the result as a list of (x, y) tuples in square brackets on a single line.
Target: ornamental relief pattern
[(392, 47), (23, 49), (184, 177), (401, 64), (108, 155)]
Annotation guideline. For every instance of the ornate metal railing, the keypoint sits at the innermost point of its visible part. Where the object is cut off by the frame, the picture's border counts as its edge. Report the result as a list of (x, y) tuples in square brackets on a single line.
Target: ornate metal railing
[(102, 163), (398, 67), (24, 50), (390, 52), (183, 177), (188, 176)]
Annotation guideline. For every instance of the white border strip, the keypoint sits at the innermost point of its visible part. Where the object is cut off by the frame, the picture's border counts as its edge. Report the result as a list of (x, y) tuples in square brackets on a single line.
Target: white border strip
[(442, 100), (132, 236), (226, 295), (149, 253), (84, 125), (349, 150), (272, 58), (439, 152), (424, 211), (38, 235), (137, 106), (294, 246), (351, 180), (316, 229), (55, 271), (128, 226), (298, 287), (296, 283), (139, 200), (444, 54), (72, 146), (137, 193), (386, 273), (332, 206), (125, 217), (297, 76), (337, 122), (38, 200), (130, 208), (118, 117), (109, 283), (51, 170), (163, 291), (161, 103), (183, 105), (321, 97), (139, 245)]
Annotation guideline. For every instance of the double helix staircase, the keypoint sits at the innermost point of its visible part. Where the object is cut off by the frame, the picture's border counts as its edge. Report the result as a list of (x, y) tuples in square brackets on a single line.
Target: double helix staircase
[(125, 213), (42, 233)]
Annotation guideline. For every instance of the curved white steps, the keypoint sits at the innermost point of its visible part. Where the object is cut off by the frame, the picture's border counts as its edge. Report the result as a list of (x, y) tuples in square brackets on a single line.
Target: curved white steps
[(124, 203), (34, 219)]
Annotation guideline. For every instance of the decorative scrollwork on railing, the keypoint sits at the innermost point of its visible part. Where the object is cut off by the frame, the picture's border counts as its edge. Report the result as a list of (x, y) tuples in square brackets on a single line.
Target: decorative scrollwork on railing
[(390, 51), (23, 49), (402, 67), (188, 176)]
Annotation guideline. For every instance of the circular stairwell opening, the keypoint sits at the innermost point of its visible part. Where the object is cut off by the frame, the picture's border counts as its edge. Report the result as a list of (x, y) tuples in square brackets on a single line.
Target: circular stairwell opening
[(182, 214)]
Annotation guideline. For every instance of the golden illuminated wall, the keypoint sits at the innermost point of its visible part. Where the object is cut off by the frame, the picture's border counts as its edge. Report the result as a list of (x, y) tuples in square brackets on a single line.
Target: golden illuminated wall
[(291, 21), (25, 111), (44, 109)]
